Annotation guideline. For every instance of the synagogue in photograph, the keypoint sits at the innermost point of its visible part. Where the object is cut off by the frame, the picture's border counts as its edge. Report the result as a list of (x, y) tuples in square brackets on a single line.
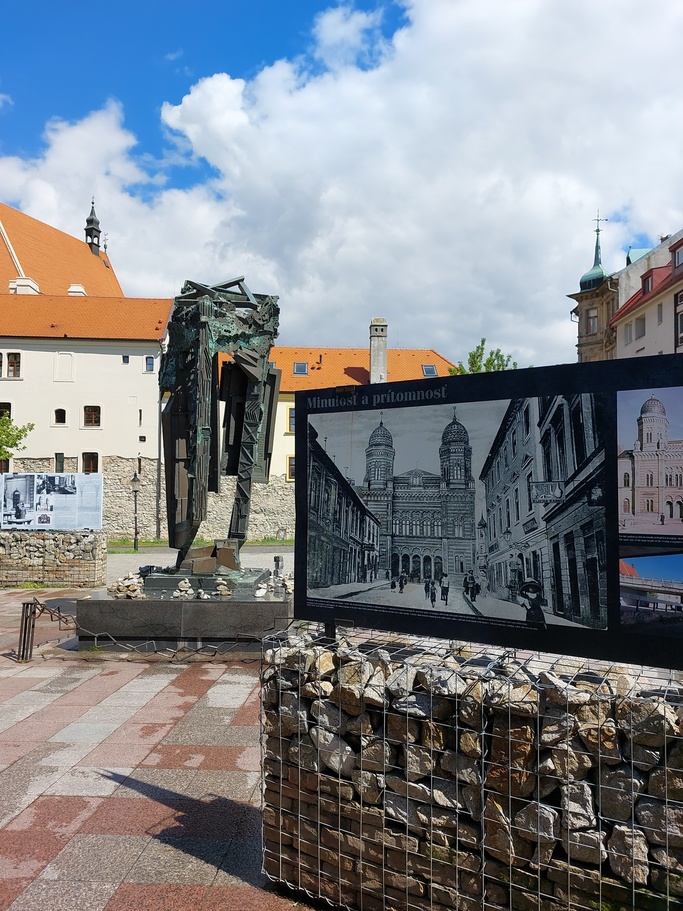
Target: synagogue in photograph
[(651, 475), (427, 520)]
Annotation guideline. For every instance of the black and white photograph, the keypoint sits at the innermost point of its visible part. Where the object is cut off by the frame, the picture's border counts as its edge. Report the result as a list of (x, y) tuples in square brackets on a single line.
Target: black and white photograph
[(63, 502), (491, 511), (18, 501)]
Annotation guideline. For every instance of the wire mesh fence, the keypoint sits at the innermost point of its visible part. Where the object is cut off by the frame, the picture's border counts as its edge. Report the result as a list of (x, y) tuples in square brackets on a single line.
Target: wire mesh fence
[(411, 773)]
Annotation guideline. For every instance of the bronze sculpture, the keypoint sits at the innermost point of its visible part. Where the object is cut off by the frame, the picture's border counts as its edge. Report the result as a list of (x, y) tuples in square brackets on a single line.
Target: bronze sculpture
[(208, 321)]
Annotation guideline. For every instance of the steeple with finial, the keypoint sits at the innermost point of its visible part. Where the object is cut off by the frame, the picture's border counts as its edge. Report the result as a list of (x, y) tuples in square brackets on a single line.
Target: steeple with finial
[(597, 275), (92, 230)]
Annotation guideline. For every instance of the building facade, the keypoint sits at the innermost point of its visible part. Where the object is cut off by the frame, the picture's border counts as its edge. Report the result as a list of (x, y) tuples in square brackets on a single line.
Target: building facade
[(544, 486), (513, 528), (427, 520), (636, 311), (651, 474), (343, 534)]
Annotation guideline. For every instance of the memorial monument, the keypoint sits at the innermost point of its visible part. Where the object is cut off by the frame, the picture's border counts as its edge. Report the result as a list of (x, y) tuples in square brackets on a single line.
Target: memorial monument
[(219, 394)]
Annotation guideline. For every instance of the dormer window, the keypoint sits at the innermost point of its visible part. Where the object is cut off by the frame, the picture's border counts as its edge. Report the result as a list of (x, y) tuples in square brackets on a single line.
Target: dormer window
[(678, 258), (429, 370), (300, 368), (647, 284)]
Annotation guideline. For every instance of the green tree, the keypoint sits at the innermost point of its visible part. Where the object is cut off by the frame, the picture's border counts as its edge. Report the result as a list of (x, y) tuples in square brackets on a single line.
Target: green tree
[(479, 362), (12, 437)]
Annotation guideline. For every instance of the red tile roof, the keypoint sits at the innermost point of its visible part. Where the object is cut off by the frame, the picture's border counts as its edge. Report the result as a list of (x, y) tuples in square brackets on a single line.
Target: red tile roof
[(59, 316), (329, 367), (51, 258)]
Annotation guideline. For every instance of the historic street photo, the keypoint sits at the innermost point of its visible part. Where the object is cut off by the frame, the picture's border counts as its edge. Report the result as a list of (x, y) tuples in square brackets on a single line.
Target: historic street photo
[(489, 510)]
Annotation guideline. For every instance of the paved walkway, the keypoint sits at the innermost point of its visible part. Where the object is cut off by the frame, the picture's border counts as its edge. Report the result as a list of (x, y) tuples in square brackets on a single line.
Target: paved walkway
[(128, 785)]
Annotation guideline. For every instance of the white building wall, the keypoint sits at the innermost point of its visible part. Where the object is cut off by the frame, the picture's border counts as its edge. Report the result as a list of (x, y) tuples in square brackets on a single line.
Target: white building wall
[(629, 278), (86, 373), (283, 439)]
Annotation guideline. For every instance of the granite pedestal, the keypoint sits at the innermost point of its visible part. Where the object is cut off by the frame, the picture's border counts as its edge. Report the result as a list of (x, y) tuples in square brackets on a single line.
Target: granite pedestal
[(158, 623)]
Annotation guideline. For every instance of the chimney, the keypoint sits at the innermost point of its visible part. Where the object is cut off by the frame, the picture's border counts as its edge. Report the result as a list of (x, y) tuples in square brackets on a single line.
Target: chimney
[(76, 291), (23, 285), (378, 350)]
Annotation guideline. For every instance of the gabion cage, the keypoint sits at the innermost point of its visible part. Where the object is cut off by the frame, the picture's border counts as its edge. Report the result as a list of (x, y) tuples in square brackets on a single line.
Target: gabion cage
[(410, 773)]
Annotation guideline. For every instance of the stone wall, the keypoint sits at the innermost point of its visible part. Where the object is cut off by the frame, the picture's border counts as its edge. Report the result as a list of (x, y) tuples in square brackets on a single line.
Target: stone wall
[(68, 559), (407, 774), (272, 505)]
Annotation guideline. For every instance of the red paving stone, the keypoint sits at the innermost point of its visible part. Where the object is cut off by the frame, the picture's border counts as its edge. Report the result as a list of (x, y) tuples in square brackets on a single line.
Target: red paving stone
[(116, 755), (130, 816), (11, 889), (52, 829), (138, 897), (58, 815), (221, 759), (247, 898), (26, 854), (143, 733)]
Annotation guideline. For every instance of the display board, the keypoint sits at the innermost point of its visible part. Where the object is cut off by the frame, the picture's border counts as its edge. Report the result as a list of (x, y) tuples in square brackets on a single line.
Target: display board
[(51, 501), (538, 508)]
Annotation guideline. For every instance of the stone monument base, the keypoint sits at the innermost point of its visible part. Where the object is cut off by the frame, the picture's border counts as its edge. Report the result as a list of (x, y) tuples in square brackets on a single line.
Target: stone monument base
[(154, 624)]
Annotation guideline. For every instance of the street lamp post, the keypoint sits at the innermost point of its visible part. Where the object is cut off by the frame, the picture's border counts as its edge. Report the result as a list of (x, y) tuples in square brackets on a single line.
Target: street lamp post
[(135, 487)]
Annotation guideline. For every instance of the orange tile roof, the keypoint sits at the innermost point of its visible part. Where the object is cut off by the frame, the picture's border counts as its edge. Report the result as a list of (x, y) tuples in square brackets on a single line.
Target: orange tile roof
[(52, 258), (60, 316), (350, 366)]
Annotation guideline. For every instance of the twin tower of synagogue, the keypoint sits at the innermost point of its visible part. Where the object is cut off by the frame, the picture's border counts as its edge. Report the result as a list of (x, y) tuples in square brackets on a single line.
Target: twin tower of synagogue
[(427, 520)]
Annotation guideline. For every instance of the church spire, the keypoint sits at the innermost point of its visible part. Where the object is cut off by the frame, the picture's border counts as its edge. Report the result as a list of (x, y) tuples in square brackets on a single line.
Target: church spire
[(92, 230), (595, 276)]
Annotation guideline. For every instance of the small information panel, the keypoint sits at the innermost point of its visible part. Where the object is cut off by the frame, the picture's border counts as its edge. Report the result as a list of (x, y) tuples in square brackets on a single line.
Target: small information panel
[(538, 508), (51, 501)]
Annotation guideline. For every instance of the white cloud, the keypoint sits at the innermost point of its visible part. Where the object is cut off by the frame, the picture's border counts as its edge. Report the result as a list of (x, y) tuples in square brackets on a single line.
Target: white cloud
[(446, 181), (5, 101)]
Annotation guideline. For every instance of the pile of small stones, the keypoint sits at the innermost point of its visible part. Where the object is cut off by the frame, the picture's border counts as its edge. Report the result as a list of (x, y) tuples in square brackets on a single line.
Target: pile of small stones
[(184, 590), (399, 777), (130, 586)]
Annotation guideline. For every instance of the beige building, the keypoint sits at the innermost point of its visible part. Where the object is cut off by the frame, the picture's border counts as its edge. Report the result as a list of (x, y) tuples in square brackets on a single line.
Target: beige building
[(634, 311)]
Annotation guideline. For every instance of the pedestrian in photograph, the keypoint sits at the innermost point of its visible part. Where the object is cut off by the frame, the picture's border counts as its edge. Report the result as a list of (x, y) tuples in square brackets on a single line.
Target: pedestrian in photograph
[(469, 586), (531, 598), (432, 592), (427, 589), (474, 588), (401, 583), (445, 585)]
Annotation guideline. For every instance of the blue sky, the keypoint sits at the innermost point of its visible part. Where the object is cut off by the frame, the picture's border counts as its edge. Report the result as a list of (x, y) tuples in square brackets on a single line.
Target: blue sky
[(75, 58), (435, 162)]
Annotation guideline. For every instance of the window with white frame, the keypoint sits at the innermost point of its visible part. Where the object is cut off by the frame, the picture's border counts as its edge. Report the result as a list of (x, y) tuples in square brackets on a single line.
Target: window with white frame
[(300, 368), (660, 314), (639, 324), (628, 333), (592, 321)]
